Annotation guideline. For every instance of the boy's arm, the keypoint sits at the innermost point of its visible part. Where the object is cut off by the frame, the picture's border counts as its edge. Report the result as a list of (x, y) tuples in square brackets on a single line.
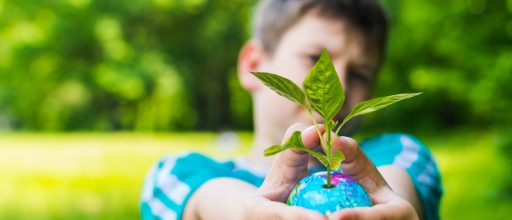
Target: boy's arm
[(401, 184), (227, 198)]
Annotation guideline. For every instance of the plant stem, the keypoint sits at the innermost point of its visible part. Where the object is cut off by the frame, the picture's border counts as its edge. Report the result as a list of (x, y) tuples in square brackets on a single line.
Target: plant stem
[(322, 142), (325, 146), (329, 177), (328, 153)]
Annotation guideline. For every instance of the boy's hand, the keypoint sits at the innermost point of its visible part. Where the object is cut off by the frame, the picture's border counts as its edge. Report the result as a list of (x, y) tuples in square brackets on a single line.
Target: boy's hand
[(290, 166), (287, 169), (241, 200), (386, 204)]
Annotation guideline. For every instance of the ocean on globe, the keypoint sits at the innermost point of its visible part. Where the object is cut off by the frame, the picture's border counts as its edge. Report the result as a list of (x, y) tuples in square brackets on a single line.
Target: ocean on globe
[(310, 193)]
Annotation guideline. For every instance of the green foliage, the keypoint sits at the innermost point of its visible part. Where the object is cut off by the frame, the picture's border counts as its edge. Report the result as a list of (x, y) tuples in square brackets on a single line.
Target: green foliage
[(372, 105), (282, 86), (102, 65), (171, 65), (336, 158), (324, 93), (460, 58), (323, 89), (45, 182), (295, 142)]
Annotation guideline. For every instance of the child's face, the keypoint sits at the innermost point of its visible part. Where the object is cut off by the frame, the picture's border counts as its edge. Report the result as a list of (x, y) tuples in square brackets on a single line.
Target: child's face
[(355, 61)]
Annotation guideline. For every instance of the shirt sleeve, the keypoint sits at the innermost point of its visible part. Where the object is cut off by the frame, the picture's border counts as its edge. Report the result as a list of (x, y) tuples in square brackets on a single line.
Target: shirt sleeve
[(409, 153), (173, 179)]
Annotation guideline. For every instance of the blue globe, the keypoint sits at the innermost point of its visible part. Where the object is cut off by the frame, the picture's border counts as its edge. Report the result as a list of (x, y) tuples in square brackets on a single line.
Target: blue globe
[(310, 193)]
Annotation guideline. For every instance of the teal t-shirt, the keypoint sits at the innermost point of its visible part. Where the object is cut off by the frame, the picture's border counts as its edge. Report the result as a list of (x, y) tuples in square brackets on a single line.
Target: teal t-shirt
[(173, 179)]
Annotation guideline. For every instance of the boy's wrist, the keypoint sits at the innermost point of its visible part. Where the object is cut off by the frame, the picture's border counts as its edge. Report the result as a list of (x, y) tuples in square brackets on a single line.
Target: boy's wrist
[(220, 198)]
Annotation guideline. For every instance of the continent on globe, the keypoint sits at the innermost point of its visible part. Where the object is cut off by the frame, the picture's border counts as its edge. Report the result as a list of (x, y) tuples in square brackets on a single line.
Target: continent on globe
[(345, 192)]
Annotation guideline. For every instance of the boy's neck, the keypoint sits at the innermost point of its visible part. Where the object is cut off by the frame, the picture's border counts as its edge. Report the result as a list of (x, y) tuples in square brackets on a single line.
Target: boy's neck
[(256, 157)]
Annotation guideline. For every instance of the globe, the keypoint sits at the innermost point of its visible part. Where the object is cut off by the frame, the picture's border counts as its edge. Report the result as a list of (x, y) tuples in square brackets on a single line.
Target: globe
[(311, 193)]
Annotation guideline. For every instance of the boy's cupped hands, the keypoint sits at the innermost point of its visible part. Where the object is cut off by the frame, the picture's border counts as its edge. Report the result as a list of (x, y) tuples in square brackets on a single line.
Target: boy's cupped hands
[(291, 165)]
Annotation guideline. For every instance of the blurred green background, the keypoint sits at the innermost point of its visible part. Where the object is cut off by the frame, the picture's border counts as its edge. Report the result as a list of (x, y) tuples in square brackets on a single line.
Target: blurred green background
[(92, 92)]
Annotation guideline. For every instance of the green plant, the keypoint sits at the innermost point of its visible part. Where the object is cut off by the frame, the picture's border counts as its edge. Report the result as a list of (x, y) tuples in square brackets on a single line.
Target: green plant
[(323, 93)]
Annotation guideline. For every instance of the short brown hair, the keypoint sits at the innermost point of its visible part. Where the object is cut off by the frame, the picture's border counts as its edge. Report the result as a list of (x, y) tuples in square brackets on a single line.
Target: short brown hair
[(274, 17)]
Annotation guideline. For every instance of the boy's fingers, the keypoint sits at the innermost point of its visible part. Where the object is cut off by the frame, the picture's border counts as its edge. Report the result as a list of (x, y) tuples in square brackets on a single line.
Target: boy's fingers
[(392, 210), (275, 210), (310, 139), (357, 165), (289, 166)]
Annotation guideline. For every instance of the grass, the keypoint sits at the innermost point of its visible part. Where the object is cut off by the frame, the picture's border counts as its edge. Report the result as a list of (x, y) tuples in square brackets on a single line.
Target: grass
[(85, 176), (475, 174), (99, 176)]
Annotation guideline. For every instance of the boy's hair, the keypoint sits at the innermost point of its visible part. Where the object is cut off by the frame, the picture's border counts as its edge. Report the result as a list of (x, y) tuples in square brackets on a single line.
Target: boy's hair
[(274, 17)]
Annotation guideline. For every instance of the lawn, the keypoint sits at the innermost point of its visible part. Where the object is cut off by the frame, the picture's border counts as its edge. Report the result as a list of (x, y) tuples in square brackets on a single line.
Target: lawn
[(99, 175)]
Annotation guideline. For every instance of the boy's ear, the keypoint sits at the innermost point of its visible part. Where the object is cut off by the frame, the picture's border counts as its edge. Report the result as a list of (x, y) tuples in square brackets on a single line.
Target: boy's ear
[(249, 60)]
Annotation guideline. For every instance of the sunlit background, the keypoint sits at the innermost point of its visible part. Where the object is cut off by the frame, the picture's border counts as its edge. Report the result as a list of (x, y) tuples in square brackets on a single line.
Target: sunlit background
[(92, 92)]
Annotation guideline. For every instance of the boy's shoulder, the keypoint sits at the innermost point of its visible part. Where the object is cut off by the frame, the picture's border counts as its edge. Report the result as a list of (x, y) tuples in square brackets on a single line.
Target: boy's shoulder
[(189, 163), (174, 178), (408, 152), (391, 140), (395, 137), (387, 147), (195, 168)]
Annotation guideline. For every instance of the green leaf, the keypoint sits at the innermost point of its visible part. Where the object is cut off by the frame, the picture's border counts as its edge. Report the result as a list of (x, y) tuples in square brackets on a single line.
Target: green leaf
[(273, 150), (321, 158), (282, 86), (333, 124), (336, 158), (295, 142), (323, 88), (376, 104)]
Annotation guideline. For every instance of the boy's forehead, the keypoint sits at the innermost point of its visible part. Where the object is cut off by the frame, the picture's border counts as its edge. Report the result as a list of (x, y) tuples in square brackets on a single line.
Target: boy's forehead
[(313, 32)]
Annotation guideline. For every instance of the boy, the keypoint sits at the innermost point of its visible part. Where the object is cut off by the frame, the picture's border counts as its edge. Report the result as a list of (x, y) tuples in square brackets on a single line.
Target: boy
[(289, 36)]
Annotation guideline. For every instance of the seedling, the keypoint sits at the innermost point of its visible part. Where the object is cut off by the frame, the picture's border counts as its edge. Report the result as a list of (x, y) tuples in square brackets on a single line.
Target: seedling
[(322, 92)]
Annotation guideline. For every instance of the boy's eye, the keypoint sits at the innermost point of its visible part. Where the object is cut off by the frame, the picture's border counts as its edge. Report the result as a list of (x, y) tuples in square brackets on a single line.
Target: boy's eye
[(314, 58), (358, 76)]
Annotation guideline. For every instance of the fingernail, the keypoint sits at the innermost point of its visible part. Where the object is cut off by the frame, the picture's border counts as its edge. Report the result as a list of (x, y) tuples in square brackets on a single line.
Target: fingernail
[(346, 139), (309, 129)]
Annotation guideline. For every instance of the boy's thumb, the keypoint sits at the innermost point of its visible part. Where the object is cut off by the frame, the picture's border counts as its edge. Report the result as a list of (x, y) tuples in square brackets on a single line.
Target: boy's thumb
[(359, 167), (291, 165), (310, 139)]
